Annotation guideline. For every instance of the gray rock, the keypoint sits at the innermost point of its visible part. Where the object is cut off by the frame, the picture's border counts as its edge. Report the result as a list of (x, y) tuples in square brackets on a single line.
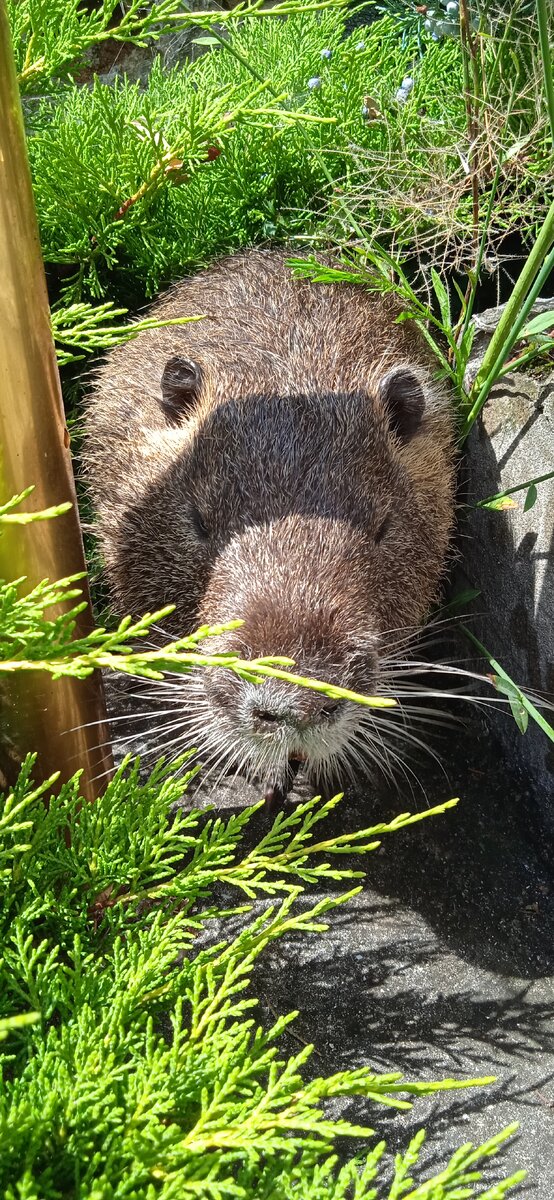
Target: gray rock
[(442, 966), (110, 60), (485, 324), (509, 555)]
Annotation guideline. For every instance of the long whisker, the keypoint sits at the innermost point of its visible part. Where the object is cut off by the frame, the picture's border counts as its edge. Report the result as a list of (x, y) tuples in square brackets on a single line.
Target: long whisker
[(134, 737), (143, 716), (183, 735)]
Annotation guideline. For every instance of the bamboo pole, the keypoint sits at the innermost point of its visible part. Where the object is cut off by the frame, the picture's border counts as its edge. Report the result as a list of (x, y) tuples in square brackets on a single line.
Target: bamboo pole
[(53, 718)]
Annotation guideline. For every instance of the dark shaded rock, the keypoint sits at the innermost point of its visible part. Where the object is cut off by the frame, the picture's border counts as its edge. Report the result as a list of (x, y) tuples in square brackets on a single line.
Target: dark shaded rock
[(443, 966), (509, 557)]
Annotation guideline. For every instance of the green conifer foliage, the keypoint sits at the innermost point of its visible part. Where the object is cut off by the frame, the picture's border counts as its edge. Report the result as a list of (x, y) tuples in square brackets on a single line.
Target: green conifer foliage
[(281, 130), (132, 1060), (282, 145), (133, 1063)]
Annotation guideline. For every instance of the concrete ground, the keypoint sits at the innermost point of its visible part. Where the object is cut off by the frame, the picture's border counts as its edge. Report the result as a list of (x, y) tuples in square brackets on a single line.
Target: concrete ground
[(443, 965)]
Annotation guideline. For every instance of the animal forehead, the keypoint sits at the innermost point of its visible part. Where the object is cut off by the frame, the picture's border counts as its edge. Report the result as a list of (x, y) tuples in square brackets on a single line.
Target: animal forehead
[(270, 456), (288, 428)]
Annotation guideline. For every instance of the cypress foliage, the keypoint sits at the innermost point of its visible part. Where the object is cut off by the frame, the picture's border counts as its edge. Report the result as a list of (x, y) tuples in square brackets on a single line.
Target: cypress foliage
[(131, 1060), (280, 130)]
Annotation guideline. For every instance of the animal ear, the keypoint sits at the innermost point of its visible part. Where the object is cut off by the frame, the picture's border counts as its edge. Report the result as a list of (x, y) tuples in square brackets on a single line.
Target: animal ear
[(181, 381), (402, 396)]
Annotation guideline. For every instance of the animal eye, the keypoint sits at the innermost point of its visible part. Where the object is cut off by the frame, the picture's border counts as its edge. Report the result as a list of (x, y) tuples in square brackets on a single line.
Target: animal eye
[(383, 529), (200, 527)]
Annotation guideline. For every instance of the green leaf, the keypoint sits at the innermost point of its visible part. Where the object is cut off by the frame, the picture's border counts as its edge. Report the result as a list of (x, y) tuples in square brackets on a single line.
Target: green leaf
[(530, 498), (461, 599), (520, 715), (539, 324), (516, 701), (503, 683), (442, 297)]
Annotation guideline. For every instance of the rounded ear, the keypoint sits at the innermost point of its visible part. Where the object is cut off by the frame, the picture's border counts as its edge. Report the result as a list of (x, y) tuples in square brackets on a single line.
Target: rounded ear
[(180, 385), (402, 396)]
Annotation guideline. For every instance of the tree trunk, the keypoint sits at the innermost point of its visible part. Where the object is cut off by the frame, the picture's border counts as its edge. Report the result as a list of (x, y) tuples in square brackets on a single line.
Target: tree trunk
[(63, 720)]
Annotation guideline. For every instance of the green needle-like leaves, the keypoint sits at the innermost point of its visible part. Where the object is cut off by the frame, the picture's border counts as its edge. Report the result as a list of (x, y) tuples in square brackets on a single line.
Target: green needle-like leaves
[(133, 1058)]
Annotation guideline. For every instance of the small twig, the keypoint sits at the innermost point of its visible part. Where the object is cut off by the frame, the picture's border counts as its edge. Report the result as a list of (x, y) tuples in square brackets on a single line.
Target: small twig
[(469, 56), (519, 487), (542, 18)]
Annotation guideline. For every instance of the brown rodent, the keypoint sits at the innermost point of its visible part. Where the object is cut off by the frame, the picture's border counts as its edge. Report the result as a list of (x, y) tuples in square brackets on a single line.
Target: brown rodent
[(287, 460)]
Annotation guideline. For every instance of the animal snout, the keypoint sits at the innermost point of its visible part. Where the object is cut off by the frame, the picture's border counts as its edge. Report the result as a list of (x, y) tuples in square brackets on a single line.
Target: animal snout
[(273, 710)]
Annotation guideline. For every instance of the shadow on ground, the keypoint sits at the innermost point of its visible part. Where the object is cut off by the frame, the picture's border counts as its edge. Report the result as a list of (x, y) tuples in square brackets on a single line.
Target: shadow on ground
[(443, 965)]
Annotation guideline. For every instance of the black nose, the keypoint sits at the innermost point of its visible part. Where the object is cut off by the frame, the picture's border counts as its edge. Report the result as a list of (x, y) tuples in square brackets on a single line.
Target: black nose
[(310, 712), (264, 719)]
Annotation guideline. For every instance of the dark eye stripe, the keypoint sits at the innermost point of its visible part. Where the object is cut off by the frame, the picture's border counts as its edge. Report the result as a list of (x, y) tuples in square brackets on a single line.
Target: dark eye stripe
[(201, 528), (383, 529)]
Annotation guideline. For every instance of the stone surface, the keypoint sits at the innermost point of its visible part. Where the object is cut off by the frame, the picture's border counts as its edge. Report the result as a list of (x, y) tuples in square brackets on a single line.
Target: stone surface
[(443, 966), (485, 324), (509, 556)]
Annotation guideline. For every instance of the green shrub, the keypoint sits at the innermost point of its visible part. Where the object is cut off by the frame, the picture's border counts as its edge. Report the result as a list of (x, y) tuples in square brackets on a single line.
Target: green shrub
[(132, 1061), (92, 150), (263, 139)]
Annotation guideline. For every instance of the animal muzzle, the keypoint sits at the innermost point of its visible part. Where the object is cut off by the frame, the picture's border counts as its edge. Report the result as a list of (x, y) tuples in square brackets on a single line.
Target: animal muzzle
[(277, 721), (273, 708)]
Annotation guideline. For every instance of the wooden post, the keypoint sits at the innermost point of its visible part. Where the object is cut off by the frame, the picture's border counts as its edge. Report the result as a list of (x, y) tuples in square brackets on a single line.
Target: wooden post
[(63, 720)]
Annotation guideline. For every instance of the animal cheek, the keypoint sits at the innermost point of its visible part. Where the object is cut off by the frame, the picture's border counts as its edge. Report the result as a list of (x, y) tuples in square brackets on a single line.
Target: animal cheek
[(222, 688)]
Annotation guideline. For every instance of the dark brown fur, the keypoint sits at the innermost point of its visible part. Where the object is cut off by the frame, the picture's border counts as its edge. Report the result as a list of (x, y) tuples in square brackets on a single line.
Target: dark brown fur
[(290, 487)]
